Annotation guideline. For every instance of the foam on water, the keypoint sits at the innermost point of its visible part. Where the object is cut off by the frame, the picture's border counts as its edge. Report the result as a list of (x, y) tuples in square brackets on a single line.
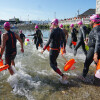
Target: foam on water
[(44, 72), (22, 82)]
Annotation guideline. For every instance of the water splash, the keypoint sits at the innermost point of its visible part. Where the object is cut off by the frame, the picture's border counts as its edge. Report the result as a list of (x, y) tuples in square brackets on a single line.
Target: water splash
[(21, 83)]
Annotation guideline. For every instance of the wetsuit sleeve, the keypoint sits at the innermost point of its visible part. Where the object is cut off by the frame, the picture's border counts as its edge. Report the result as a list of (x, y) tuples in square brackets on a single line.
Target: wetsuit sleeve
[(64, 39), (83, 29), (37, 33), (19, 39), (72, 33), (49, 40), (97, 45), (33, 34), (24, 35)]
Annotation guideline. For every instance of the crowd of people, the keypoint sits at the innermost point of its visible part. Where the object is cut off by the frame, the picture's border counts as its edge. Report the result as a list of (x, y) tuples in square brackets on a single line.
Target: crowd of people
[(57, 40)]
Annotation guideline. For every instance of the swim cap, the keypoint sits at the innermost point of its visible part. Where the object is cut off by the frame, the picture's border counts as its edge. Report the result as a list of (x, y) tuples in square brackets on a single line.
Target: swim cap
[(36, 27), (61, 26), (72, 25), (54, 22), (80, 22), (6, 25), (95, 18), (20, 31)]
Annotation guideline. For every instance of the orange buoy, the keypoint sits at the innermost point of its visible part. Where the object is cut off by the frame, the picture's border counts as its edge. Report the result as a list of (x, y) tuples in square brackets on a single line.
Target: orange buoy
[(3, 67), (48, 48), (1, 62), (98, 65), (69, 64), (74, 43)]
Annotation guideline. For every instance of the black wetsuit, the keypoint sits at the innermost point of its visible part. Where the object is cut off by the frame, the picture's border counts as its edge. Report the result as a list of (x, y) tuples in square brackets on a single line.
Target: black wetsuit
[(81, 37), (22, 36), (39, 38), (73, 36), (10, 51), (56, 36), (35, 37), (94, 46)]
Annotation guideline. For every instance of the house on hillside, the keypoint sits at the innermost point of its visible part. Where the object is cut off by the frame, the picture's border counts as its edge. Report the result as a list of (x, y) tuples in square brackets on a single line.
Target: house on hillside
[(87, 13)]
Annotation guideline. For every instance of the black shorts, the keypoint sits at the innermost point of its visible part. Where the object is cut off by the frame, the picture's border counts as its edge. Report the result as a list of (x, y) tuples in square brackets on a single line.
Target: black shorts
[(9, 58)]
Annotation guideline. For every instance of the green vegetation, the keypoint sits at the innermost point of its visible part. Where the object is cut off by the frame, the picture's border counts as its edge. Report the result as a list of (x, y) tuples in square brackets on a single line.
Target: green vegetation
[(31, 26), (46, 26), (67, 27)]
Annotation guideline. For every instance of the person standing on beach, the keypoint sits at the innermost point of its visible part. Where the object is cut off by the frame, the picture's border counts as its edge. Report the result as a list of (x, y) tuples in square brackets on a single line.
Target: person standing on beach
[(54, 40), (8, 43)]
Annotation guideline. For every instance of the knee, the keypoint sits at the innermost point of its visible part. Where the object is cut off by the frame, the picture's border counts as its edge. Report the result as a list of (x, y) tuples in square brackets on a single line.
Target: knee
[(53, 66)]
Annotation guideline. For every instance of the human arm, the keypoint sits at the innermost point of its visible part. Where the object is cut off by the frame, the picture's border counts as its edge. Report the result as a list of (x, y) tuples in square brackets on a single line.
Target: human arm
[(64, 41), (32, 34), (48, 42), (97, 47), (19, 39), (83, 29), (66, 34), (4, 38)]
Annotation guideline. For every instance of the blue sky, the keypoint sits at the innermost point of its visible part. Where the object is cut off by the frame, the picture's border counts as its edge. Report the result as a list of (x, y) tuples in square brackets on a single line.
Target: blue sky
[(43, 9)]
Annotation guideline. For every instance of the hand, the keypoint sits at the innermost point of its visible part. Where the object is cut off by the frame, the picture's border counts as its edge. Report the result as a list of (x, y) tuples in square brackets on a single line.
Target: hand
[(86, 43), (42, 51), (64, 51), (96, 57), (22, 50)]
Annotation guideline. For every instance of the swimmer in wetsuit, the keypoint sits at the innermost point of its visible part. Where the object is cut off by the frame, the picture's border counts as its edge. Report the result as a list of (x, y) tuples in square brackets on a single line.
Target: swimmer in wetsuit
[(73, 35), (93, 43), (8, 43), (81, 38), (54, 40), (39, 36), (22, 36)]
